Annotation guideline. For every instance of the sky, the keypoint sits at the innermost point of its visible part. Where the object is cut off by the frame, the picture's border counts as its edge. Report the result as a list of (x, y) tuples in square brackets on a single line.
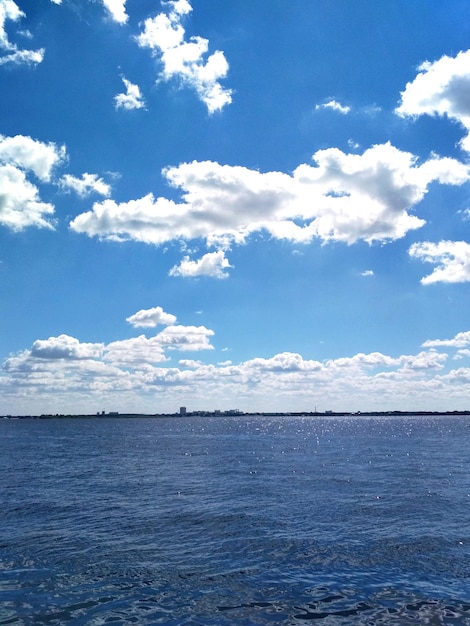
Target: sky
[(259, 205)]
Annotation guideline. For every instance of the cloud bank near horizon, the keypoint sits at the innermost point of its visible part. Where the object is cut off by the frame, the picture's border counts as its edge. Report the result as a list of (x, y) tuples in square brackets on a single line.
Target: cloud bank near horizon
[(140, 367)]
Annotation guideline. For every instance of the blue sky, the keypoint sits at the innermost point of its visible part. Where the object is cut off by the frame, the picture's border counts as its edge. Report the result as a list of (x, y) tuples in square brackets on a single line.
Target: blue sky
[(257, 205)]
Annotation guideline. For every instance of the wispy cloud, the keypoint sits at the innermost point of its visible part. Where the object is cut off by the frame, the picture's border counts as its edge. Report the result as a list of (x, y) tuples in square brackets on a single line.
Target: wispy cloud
[(334, 105), (86, 185), (9, 52), (132, 99)]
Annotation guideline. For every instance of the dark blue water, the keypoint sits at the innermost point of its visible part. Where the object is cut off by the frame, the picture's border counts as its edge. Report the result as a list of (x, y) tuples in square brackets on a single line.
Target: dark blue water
[(244, 520)]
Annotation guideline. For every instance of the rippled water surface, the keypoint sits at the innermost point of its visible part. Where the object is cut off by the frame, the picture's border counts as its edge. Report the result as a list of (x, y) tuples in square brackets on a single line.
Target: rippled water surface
[(244, 520)]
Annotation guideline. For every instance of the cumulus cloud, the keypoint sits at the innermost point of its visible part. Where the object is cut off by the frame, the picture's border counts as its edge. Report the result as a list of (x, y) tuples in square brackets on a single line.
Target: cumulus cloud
[(136, 368), (441, 88), (20, 203), (186, 60), (429, 360), (461, 340), (452, 259), (149, 318), (65, 347), (334, 106), (30, 154), (190, 363), (361, 360), (462, 354), (9, 52), (190, 338), (136, 351), (124, 364), (341, 197), (117, 10), (132, 99), (284, 362), (376, 360), (69, 366), (86, 185), (212, 264), (367, 273)]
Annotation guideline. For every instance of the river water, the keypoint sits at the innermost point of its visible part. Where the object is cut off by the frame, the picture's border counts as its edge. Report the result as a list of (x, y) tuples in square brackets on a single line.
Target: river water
[(241, 520)]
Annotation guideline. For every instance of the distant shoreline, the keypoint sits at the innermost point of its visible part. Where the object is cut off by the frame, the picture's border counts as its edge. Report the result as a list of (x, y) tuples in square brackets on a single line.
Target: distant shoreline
[(241, 414)]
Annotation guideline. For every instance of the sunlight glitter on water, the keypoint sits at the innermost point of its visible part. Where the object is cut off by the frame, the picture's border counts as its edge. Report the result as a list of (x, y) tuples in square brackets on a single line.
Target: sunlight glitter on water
[(240, 521)]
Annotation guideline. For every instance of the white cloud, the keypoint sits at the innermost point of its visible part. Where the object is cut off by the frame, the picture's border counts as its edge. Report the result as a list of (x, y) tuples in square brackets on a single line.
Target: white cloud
[(30, 154), (429, 360), (149, 318), (65, 366), (9, 10), (190, 338), (361, 360), (117, 10), (23, 57), (367, 273), (190, 363), (441, 88), (135, 352), (462, 354), (20, 204), (65, 347), (135, 370), (342, 197), (164, 35), (25, 33), (375, 360), (180, 7), (86, 185), (334, 106), (132, 99), (451, 257), (212, 264), (461, 340), (284, 362)]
